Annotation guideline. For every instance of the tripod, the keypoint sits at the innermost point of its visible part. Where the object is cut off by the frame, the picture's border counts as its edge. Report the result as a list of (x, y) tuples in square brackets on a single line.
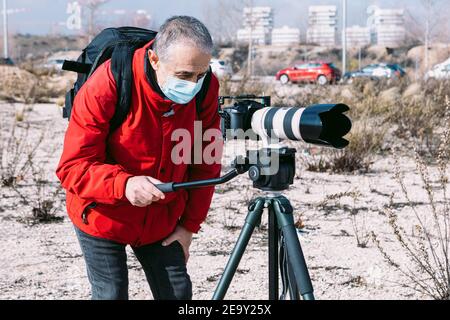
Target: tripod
[(285, 251)]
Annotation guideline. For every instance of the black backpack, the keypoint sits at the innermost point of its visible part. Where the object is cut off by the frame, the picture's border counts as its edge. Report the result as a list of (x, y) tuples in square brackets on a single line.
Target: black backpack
[(119, 45)]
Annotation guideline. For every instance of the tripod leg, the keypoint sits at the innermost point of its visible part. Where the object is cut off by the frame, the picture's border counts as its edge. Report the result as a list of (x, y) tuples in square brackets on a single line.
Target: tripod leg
[(283, 210), (293, 289), (287, 274), (274, 237), (253, 219)]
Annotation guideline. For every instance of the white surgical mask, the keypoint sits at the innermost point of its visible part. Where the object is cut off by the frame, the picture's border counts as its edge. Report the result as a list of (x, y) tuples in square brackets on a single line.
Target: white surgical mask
[(181, 91)]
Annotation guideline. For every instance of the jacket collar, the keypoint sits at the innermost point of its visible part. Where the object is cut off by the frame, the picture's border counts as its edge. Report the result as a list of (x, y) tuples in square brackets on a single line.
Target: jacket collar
[(144, 83)]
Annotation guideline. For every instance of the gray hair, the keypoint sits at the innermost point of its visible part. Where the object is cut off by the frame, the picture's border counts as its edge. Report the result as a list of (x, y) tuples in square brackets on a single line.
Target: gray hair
[(182, 29)]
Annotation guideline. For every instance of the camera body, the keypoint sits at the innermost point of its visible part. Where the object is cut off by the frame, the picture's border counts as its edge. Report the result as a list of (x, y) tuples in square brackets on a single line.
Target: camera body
[(237, 118)]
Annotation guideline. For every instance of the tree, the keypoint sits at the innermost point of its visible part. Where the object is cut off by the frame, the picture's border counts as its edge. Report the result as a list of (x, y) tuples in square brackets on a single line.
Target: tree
[(430, 26), (223, 18), (92, 6)]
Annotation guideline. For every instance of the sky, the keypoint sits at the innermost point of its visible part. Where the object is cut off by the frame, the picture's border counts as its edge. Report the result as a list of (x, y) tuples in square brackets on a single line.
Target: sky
[(42, 16)]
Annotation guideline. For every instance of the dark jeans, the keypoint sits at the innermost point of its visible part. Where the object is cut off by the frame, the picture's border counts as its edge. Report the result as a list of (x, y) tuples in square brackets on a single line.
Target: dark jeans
[(106, 264)]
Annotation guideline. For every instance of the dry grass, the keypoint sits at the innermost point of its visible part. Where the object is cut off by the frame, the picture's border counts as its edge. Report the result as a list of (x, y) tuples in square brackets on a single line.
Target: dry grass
[(23, 169), (41, 196), (427, 246), (357, 216), (365, 142), (17, 152)]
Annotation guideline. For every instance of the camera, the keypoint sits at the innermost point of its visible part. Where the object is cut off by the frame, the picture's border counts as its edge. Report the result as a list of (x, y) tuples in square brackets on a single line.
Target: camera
[(252, 117)]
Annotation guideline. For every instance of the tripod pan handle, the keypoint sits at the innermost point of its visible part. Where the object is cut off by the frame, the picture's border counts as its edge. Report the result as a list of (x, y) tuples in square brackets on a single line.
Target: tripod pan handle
[(166, 187)]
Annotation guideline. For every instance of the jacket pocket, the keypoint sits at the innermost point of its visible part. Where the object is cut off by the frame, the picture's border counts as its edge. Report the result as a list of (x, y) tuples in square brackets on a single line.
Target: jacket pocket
[(86, 210)]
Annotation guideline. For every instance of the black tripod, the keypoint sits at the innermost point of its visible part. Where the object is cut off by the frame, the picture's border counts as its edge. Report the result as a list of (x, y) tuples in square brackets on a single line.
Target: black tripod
[(285, 251)]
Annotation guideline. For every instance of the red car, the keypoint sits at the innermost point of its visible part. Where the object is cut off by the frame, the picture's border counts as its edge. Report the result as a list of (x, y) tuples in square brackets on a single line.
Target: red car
[(315, 72)]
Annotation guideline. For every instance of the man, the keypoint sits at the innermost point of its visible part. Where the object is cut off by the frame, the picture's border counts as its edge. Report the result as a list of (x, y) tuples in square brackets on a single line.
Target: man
[(110, 177)]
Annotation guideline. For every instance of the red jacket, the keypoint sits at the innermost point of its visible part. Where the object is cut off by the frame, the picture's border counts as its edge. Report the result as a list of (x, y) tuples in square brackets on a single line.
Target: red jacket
[(95, 166)]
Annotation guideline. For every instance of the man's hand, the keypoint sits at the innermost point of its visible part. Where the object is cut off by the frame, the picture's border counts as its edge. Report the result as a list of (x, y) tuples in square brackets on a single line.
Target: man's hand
[(141, 191), (184, 237)]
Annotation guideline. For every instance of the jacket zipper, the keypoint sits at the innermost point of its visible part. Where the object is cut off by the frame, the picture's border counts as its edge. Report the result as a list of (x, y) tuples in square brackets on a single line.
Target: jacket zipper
[(86, 211), (159, 165)]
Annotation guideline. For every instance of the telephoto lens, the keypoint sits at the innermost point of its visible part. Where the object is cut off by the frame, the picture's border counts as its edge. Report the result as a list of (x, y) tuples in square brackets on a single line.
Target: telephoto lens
[(324, 124)]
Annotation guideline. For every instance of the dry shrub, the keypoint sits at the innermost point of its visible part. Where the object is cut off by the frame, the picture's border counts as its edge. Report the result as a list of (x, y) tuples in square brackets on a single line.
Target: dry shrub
[(30, 85), (17, 153), (31, 67), (44, 91), (412, 118), (16, 84), (358, 216), (22, 170), (377, 86), (369, 106), (427, 246), (437, 91), (420, 121), (365, 141), (244, 86), (415, 119), (41, 196)]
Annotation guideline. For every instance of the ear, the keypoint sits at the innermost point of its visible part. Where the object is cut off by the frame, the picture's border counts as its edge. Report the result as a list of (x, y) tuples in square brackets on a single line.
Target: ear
[(154, 59)]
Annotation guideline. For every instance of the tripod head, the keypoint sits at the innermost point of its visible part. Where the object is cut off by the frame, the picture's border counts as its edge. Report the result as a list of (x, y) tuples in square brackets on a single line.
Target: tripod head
[(278, 180), (260, 168)]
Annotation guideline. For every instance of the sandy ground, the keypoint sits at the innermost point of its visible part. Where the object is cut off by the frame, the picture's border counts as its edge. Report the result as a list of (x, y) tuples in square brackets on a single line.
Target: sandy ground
[(44, 261)]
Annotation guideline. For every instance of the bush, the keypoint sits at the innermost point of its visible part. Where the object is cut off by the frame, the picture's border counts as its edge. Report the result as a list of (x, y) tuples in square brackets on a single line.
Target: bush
[(17, 153), (427, 246), (41, 196), (23, 171), (365, 142)]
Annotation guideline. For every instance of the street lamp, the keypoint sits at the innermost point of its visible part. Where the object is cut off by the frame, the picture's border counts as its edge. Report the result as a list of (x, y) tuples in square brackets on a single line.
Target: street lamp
[(5, 30), (344, 36)]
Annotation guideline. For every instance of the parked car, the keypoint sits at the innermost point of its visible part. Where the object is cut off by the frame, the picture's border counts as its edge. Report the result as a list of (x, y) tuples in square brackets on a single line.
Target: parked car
[(221, 68), (440, 71), (376, 71), (318, 72), (53, 65), (6, 62)]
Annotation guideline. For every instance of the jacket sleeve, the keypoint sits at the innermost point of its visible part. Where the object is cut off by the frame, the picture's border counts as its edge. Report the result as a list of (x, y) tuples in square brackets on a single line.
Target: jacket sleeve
[(83, 169), (199, 200)]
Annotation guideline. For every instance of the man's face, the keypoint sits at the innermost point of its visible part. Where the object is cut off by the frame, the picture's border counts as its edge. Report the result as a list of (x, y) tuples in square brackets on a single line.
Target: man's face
[(184, 62)]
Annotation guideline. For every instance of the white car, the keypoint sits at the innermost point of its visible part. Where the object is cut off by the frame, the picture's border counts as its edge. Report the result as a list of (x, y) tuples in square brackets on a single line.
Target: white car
[(440, 71), (53, 64), (221, 68)]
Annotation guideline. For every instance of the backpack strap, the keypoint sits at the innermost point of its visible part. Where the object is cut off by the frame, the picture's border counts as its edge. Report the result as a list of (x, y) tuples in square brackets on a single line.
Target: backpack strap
[(122, 70), (77, 67), (201, 96), (80, 66)]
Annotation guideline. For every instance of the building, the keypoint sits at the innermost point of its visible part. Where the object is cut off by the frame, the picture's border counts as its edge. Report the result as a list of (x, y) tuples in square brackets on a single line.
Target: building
[(259, 36), (322, 25), (285, 36), (257, 24), (387, 26), (358, 36)]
